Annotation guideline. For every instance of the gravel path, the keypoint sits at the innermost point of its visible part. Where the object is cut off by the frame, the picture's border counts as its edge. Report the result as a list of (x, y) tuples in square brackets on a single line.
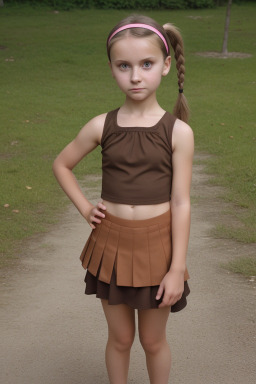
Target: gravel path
[(53, 334)]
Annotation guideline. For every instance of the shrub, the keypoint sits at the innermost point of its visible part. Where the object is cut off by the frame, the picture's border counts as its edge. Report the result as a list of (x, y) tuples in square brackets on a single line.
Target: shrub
[(173, 4), (121, 4), (200, 3)]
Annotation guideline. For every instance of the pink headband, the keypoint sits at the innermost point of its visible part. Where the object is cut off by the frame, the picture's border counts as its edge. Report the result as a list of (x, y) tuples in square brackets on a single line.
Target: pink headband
[(141, 26)]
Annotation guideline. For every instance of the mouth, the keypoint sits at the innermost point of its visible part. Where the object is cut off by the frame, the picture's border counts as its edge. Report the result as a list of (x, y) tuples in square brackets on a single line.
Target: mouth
[(136, 89)]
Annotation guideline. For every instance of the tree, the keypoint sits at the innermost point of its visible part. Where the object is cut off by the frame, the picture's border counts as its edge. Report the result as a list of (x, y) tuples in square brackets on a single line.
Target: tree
[(1, 3), (225, 40)]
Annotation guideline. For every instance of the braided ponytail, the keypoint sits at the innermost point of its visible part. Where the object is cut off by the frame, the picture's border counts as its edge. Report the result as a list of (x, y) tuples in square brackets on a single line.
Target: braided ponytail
[(181, 109)]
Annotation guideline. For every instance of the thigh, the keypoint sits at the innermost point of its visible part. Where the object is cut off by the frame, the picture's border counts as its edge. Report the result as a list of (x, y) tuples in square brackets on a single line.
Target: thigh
[(120, 319), (152, 323)]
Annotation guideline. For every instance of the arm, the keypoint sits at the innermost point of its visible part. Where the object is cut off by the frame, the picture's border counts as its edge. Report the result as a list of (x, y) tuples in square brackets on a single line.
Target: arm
[(183, 149), (88, 138)]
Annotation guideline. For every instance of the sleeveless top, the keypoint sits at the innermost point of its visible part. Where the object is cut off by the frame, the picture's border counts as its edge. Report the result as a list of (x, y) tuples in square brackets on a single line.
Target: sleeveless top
[(137, 161)]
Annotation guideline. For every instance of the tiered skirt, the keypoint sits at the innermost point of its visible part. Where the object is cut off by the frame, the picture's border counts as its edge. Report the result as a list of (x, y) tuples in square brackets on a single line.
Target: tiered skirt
[(126, 261)]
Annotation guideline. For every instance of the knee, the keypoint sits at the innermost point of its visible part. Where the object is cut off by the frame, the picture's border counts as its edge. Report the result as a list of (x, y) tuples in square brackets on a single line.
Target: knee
[(122, 342), (151, 344)]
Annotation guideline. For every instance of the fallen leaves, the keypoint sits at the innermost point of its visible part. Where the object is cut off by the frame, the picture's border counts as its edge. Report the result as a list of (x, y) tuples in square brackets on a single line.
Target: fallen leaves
[(14, 210), (6, 205), (230, 137)]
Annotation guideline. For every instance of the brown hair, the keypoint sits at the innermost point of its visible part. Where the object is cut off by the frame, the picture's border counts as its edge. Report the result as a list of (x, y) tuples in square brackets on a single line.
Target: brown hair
[(173, 38)]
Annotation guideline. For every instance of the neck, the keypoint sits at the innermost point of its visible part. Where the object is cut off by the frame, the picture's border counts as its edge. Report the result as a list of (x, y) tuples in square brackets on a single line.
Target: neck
[(142, 107)]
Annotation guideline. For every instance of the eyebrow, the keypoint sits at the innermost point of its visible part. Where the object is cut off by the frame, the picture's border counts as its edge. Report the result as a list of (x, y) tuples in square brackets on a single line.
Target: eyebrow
[(127, 61)]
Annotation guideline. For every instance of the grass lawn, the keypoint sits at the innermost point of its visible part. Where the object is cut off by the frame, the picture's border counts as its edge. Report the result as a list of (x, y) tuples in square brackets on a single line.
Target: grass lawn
[(54, 77)]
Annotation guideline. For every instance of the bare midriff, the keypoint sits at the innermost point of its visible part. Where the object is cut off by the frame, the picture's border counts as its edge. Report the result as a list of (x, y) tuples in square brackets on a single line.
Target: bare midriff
[(136, 212)]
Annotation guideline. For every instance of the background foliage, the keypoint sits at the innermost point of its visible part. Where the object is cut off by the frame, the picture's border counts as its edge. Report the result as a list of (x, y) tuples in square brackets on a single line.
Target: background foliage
[(122, 4)]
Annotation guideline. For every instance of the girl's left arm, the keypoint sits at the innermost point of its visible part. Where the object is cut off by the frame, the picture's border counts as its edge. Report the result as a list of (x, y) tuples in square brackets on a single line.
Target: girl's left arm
[(182, 158)]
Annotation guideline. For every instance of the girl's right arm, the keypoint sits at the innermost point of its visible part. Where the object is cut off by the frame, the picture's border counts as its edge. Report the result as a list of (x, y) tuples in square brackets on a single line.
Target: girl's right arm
[(88, 139)]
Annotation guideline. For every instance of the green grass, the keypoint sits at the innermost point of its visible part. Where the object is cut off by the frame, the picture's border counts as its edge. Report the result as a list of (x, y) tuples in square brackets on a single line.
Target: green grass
[(54, 77), (245, 266)]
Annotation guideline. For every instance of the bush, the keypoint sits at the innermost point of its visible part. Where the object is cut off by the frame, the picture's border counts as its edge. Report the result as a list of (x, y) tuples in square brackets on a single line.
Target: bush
[(114, 4), (120, 4), (200, 3), (55, 4), (173, 4)]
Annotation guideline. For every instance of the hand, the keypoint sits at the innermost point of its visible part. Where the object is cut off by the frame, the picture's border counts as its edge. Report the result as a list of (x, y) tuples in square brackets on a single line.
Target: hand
[(95, 214), (172, 286)]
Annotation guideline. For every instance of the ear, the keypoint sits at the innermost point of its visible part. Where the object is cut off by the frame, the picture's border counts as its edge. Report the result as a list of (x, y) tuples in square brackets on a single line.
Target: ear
[(167, 66)]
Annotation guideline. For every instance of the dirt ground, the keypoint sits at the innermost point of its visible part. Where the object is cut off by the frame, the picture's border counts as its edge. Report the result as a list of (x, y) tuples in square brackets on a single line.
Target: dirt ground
[(51, 333), (227, 55)]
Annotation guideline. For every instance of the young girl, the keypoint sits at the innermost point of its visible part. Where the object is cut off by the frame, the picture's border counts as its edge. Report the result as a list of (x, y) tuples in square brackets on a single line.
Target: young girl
[(136, 254)]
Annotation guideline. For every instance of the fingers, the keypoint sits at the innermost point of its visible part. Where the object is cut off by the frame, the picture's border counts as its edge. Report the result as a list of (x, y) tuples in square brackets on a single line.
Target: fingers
[(96, 214), (101, 206), (169, 299), (159, 292)]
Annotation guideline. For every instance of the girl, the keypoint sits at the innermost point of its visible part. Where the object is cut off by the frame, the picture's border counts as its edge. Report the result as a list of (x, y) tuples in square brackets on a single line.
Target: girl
[(136, 254)]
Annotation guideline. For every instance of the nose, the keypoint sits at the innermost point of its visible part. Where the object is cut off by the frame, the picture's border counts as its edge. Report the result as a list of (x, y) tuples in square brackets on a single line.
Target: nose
[(135, 75)]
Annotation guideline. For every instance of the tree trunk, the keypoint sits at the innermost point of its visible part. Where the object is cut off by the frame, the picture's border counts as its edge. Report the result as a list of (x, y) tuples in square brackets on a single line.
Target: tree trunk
[(225, 40), (1, 3)]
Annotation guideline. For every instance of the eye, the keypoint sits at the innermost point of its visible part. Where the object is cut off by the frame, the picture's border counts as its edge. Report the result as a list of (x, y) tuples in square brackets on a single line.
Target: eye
[(147, 64), (123, 66)]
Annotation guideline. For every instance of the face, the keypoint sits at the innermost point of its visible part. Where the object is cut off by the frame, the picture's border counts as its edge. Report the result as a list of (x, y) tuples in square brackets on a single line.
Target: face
[(137, 64)]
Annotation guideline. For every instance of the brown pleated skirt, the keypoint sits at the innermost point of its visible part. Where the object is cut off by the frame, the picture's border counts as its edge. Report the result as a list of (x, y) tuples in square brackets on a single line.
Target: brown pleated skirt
[(126, 261)]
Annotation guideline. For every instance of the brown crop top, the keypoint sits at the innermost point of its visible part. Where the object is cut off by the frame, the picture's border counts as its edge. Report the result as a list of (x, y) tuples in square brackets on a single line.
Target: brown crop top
[(137, 161)]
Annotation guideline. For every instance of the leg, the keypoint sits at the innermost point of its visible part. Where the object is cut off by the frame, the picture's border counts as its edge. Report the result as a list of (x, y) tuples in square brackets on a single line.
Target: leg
[(121, 331), (152, 331)]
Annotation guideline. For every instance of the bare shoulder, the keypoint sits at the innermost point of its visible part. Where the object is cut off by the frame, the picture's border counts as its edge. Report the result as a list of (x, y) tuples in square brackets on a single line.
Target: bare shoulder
[(94, 128), (98, 121), (182, 136)]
